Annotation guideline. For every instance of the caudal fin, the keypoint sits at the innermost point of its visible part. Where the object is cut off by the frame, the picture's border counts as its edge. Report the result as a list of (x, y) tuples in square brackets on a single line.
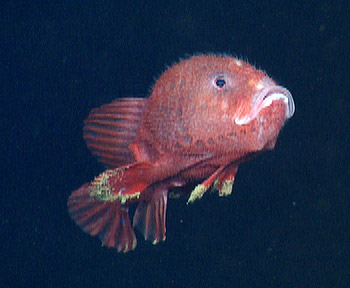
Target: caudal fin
[(108, 220), (101, 207)]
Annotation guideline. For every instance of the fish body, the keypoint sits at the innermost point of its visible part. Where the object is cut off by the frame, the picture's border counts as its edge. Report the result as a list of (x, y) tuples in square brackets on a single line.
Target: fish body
[(205, 115)]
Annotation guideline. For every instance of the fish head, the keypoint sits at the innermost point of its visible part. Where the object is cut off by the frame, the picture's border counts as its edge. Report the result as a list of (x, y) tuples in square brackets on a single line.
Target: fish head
[(216, 104), (248, 108)]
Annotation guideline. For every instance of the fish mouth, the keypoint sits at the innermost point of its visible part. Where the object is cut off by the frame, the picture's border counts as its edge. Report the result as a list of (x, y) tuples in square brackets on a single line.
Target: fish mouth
[(264, 98)]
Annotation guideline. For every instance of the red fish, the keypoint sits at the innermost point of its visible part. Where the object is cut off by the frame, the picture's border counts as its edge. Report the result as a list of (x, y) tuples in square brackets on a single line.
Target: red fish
[(205, 116)]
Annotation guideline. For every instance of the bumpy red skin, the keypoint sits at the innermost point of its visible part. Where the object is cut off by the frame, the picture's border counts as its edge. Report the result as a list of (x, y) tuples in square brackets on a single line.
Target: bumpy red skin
[(203, 118), (189, 121)]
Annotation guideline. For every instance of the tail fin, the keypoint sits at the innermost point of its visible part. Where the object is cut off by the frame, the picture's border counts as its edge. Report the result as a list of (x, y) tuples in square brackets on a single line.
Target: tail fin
[(109, 220), (101, 207)]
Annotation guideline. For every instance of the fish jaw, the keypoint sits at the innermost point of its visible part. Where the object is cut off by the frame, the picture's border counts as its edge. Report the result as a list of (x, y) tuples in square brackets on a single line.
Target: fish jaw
[(262, 120), (264, 98)]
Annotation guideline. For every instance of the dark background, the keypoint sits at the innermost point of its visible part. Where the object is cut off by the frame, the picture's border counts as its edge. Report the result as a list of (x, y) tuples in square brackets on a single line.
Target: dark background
[(287, 223)]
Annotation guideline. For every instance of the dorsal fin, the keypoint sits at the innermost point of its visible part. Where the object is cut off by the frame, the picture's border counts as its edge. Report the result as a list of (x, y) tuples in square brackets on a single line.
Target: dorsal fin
[(111, 128)]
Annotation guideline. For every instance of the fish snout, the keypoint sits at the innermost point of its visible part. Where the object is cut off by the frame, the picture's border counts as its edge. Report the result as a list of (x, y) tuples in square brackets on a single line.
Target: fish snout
[(266, 96), (263, 98)]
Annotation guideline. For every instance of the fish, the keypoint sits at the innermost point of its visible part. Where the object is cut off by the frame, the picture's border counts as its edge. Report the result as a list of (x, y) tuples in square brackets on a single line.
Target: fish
[(205, 115)]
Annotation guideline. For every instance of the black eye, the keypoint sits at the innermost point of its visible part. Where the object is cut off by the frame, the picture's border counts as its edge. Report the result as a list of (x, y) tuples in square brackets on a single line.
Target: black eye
[(220, 82)]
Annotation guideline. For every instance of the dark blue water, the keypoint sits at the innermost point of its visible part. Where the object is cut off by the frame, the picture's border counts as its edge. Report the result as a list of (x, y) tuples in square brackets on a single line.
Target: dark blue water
[(287, 223)]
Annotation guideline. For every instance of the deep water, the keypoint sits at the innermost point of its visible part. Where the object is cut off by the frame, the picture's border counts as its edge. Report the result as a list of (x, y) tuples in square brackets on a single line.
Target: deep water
[(287, 223)]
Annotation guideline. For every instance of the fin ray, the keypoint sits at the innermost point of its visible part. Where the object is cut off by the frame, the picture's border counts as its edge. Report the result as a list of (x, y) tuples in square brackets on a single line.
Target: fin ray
[(108, 220), (111, 128), (150, 217)]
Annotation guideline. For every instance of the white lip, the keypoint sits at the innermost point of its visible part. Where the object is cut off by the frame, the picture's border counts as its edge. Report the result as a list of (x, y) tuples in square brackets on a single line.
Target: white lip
[(264, 98)]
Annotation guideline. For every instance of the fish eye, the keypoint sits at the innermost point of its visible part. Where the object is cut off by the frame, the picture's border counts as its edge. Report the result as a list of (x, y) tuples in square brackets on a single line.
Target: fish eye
[(220, 82)]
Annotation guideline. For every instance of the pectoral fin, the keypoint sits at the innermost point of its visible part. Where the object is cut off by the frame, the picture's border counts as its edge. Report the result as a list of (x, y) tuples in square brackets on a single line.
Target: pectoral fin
[(111, 128)]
